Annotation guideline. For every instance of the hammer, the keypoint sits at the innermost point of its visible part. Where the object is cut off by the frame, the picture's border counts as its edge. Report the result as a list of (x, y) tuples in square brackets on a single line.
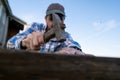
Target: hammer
[(56, 31)]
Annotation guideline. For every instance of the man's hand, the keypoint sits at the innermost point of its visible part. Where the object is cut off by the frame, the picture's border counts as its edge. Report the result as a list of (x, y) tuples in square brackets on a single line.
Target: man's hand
[(33, 41), (70, 51)]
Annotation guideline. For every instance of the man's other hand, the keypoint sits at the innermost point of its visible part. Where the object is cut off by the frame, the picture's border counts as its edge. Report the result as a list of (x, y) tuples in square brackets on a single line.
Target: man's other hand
[(67, 50), (72, 51)]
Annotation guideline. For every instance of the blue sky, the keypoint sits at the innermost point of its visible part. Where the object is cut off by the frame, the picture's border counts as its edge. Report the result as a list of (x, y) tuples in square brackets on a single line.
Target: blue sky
[(94, 24)]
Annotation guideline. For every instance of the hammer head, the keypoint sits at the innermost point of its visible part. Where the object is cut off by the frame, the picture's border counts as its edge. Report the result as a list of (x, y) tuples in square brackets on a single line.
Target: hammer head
[(59, 30), (56, 31)]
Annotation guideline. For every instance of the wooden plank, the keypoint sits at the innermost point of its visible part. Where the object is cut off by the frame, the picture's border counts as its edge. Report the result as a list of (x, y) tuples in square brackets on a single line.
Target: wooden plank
[(26, 65)]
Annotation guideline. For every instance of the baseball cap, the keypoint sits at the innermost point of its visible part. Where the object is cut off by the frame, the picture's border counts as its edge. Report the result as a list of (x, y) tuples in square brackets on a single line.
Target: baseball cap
[(55, 8)]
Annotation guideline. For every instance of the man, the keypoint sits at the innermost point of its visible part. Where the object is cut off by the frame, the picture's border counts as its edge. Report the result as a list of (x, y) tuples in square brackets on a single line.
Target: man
[(33, 39)]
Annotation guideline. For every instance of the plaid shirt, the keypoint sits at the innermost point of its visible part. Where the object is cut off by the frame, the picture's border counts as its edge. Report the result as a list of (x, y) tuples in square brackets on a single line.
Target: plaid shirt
[(51, 46)]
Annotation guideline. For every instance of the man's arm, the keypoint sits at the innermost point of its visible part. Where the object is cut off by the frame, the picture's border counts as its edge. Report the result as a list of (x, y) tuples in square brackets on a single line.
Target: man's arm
[(71, 43), (15, 41), (71, 46)]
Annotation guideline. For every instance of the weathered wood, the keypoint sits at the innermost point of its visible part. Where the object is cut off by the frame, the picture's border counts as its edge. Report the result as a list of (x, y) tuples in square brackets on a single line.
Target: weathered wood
[(25, 65)]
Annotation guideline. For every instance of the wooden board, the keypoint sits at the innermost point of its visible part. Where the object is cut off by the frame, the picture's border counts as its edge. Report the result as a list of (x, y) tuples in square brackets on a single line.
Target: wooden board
[(26, 65)]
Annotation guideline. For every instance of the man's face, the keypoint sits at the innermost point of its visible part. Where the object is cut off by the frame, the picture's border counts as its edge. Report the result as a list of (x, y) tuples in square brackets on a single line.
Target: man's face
[(49, 20)]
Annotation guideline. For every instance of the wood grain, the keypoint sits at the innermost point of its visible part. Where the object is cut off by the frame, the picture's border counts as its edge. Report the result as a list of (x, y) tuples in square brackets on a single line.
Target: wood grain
[(26, 65)]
